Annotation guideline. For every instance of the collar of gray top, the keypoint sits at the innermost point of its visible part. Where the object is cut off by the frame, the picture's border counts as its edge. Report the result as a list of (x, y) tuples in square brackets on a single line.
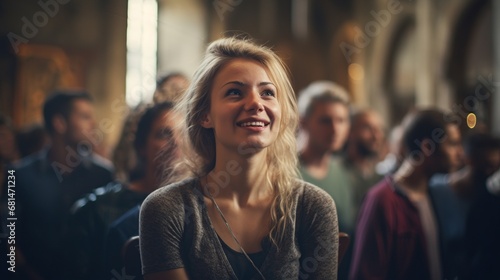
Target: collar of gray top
[(232, 234)]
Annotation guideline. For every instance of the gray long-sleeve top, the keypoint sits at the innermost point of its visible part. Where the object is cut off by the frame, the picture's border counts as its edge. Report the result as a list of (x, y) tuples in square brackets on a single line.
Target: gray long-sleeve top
[(175, 232)]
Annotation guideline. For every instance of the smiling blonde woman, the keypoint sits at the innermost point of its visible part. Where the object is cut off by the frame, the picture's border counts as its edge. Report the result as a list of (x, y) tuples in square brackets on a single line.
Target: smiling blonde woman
[(242, 213)]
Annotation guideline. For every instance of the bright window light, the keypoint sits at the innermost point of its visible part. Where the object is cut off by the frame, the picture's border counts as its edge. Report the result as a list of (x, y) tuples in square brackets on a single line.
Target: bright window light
[(141, 51)]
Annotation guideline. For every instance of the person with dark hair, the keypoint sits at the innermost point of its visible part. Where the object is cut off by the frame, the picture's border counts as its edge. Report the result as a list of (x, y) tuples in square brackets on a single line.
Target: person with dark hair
[(31, 140), (156, 150), (468, 213), (49, 182), (482, 257), (169, 88), (61, 105), (124, 157), (397, 234)]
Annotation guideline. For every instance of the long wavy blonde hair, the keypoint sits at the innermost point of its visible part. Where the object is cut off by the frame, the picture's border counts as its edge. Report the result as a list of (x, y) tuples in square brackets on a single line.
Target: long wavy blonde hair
[(198, 143)]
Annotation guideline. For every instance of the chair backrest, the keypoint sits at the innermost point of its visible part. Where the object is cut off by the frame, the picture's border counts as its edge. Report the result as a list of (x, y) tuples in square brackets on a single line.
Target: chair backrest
[(132, 258), (344, 241)]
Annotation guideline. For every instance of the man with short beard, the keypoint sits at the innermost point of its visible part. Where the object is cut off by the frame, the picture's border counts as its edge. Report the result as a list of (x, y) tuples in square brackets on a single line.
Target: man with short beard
[(366, 146)]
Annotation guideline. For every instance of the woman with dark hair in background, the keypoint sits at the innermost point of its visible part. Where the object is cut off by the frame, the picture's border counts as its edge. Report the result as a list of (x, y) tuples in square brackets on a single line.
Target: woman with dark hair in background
[(156, 150)]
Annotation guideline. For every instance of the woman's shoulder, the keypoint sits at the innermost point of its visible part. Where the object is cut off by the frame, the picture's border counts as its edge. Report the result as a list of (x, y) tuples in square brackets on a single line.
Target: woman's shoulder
[(176, 187), (309, 192), (175, 192), (313, 203), (312, 199)]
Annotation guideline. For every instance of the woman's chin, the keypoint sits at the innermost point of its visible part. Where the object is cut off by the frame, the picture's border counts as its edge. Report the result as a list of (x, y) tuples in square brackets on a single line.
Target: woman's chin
[(251, 146)]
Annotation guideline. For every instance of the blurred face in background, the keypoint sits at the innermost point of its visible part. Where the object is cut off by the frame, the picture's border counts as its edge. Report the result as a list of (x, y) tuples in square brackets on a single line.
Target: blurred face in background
[(81, 124), (327, 126), (450, 156), (161, 146), (367, 133)]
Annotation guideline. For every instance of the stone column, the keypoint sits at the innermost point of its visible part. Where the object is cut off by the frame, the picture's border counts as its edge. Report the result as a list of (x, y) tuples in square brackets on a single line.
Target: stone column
[(425, 69)]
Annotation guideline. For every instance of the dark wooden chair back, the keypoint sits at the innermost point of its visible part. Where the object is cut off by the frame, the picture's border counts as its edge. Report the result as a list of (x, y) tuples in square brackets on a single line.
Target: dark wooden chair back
[(344, 241), (132, 258)]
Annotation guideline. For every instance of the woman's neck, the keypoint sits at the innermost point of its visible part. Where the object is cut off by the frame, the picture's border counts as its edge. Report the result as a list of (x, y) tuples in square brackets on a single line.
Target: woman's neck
[(240, 178)]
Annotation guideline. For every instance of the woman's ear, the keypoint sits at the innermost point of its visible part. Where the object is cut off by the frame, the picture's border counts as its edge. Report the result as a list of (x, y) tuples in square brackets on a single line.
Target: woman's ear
[(206, 122)]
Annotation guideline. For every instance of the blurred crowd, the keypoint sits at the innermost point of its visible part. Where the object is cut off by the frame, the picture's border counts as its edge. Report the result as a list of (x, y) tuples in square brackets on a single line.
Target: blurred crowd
[(420, 198)]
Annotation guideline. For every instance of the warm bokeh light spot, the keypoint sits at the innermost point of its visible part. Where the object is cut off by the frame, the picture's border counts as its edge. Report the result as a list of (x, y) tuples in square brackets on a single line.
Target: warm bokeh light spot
[(471, 120), (356, 71)]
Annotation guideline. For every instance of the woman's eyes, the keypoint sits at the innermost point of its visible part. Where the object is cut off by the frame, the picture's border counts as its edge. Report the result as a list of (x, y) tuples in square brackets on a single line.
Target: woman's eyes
[(233, 92), (237, 92), (268, 93)]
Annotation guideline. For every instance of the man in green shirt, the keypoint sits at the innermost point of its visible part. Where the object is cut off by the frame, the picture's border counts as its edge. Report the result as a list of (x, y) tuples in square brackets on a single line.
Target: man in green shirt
[(324, 112)]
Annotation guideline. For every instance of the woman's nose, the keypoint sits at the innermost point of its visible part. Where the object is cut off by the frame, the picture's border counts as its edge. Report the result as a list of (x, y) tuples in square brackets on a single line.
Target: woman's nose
[(253, 102)]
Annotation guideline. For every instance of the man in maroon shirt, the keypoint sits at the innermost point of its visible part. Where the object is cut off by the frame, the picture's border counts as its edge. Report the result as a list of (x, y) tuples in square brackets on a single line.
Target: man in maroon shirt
[(396, 235)]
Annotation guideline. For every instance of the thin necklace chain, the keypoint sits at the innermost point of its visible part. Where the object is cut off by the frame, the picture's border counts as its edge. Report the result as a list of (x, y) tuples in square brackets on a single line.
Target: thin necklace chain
[(232, 234)]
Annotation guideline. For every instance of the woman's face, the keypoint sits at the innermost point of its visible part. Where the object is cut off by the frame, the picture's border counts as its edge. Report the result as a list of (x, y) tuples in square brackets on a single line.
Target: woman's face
[(161, 146), (244, 111)]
